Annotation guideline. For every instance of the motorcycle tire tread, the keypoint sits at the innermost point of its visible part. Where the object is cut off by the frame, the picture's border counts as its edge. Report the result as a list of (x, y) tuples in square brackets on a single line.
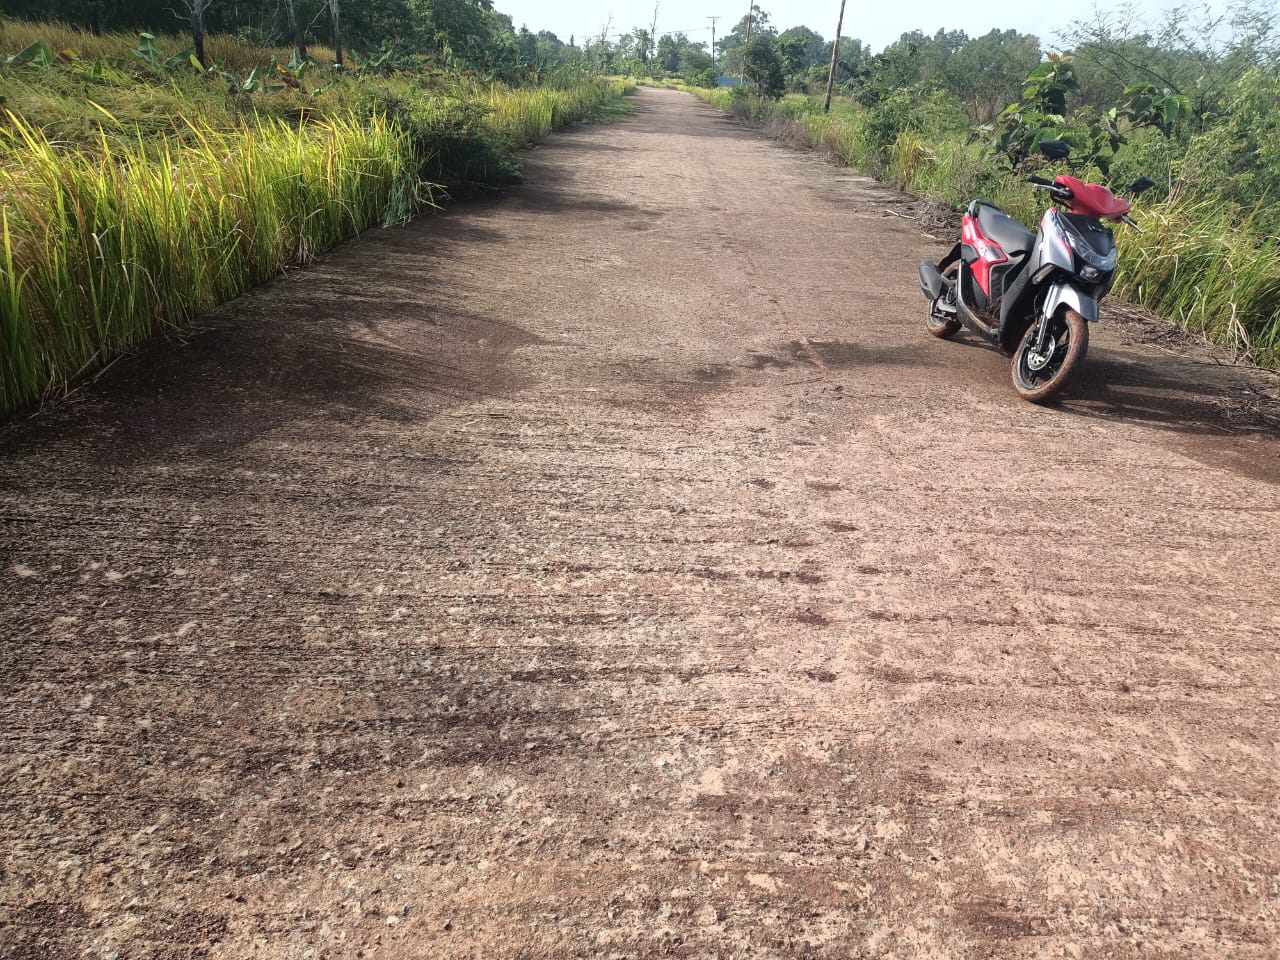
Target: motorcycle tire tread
[(1078, 327)]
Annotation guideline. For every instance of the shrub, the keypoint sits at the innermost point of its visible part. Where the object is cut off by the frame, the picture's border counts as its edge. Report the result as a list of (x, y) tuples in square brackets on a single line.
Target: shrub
[(451, 137)]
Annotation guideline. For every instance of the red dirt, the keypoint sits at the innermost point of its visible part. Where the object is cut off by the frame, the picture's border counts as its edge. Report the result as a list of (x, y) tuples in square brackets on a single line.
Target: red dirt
[(621, 570)]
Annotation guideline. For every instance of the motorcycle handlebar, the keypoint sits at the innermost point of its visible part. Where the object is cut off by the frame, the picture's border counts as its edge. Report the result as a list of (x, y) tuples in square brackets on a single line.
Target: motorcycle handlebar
[(1059, 192)]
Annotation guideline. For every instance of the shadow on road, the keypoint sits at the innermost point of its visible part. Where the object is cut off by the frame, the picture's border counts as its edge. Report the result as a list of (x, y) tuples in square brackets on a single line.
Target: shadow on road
[(1177, 396), (373, 339)]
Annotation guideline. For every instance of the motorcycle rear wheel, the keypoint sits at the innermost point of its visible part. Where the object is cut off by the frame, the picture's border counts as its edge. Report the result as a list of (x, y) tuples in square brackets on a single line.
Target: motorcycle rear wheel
[(945, 326), (1040, 379)]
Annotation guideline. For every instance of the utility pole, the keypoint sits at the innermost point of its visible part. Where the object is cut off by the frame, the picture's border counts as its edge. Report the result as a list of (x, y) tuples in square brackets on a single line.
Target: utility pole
[(653, 31), (750, 13), (714, 66), (835, 54)]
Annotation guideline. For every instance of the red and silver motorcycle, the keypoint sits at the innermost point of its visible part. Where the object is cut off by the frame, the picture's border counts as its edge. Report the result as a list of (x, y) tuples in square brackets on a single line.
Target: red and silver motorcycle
[(1032, 294)]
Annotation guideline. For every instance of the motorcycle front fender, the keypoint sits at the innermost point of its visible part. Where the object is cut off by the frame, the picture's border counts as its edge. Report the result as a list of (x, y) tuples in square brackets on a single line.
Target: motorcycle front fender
[(1061, 295)]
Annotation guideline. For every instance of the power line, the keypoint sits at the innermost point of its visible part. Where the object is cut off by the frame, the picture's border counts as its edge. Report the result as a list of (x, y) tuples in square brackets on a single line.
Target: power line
[(627, 33)]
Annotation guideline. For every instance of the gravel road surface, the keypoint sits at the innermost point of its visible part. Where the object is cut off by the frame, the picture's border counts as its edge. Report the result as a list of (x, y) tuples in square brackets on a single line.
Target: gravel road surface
[(619, 569)]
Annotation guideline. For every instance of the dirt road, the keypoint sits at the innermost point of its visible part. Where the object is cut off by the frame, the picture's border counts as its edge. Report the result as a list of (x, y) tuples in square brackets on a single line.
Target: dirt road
[(620, 570)]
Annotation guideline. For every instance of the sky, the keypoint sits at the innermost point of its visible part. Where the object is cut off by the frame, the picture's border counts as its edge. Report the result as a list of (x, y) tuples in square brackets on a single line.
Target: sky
[(875, 23)]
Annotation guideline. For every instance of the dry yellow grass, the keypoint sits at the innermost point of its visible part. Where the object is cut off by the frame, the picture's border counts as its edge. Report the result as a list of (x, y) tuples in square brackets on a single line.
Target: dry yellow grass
[(17, 35)]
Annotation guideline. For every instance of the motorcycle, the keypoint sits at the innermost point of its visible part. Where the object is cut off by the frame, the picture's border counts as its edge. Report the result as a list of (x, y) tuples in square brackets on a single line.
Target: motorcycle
[(1034, 295)]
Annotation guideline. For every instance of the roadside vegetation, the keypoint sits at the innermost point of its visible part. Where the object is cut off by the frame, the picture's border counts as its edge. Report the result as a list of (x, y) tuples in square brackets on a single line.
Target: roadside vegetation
[(143, 184), (1190, 101)]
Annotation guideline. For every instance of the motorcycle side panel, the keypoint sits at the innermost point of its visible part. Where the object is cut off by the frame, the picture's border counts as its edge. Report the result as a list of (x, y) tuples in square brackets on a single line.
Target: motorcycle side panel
[(930, 280), (1050, 248), (1017, 309), (1003, 275), (982, 253)]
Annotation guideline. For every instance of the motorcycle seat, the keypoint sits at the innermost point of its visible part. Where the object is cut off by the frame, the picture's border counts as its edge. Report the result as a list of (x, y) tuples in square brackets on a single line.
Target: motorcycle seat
[(997, 225)]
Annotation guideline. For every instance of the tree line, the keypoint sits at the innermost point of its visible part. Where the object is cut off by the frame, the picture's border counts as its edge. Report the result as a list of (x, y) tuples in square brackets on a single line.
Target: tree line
[(1207, 83), (461, 34)]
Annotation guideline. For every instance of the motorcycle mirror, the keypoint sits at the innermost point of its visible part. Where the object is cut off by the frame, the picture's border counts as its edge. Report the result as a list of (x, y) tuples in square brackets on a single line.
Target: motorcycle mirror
[(1141, 184), (1055, 149)]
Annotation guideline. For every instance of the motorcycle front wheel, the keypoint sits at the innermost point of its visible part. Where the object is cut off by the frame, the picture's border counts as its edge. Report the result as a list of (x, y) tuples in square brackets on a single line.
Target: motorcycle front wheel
[(1039, 377)]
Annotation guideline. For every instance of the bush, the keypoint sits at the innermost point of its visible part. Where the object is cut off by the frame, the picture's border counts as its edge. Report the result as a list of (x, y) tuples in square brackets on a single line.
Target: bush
[(888, 120), (762, 68), (452, 137), (707, 78)]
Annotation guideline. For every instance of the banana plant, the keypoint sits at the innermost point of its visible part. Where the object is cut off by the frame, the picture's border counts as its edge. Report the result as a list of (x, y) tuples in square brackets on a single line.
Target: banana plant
[(259, 81), (295, 72), (149, 53), (38, 53)]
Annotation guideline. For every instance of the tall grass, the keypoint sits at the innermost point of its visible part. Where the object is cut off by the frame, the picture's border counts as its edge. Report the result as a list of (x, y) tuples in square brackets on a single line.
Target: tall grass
[(1196, 261), (1199, 264), (101, 251), (525, 116), (17, 35)]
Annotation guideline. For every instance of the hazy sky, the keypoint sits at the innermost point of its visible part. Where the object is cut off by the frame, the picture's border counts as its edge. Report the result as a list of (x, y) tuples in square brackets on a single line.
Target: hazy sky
[(877, 23)]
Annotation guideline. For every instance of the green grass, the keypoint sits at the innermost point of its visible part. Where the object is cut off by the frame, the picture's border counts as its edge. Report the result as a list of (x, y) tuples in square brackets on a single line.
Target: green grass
[(101, 251), (1197, 261), (525, 116)]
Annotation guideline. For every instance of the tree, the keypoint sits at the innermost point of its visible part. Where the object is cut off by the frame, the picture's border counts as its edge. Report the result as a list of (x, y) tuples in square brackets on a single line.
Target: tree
[(1240, 153), (296, 31), (638, 44), (335, 30), (897, 67), (100, 16), (694, 64), (196, 11), (986, 73), (800, 48), (734, 43), (1199, 54), (853, 54), (672, 50), (762, 68), (548, 50)]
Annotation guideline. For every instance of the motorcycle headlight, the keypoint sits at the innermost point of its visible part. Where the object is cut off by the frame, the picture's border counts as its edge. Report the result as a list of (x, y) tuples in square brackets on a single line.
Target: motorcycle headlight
[(1082, 249), (1090, 273)]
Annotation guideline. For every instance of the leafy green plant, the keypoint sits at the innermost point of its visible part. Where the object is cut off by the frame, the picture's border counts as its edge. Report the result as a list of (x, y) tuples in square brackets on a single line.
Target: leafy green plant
[(1145, 105), (384, 61), (1094, 135), (150, 54), (1041, 114), (707, 78), (37, 53)]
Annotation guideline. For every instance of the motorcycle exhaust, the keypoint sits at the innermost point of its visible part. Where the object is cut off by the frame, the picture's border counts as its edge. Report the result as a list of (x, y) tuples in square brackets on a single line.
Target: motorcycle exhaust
[(931, 281)]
